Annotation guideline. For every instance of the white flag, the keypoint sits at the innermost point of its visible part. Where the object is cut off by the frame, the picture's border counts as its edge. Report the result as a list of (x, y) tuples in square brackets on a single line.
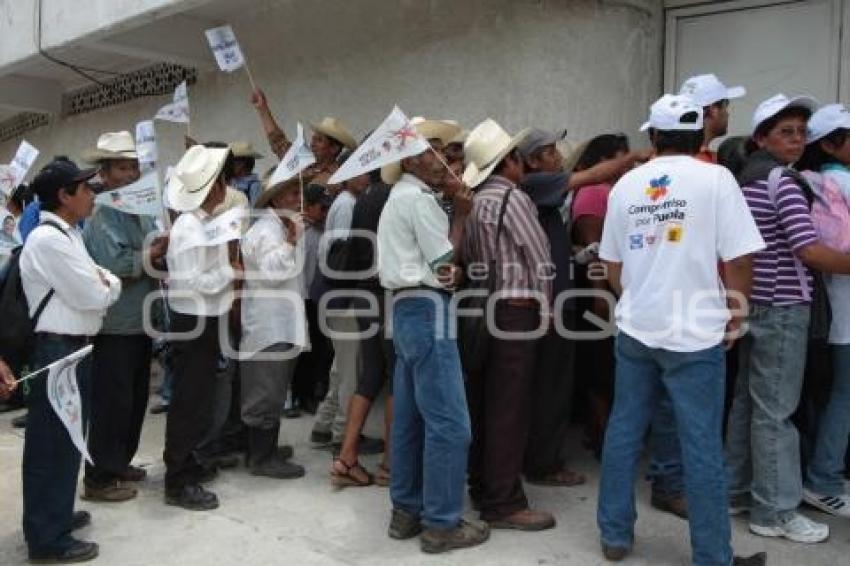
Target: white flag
[(222, 229), (146, 144), (395, 139), (178, 110), (64, 395), (298, 158), (224, 46), (141, 198), (23, 160)]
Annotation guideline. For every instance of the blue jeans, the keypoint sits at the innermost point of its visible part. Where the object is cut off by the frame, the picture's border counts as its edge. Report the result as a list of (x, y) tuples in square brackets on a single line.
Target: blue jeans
[(694, 382), (431, 429), (51, 461), (763, 446), (665, 464), (825, 473)]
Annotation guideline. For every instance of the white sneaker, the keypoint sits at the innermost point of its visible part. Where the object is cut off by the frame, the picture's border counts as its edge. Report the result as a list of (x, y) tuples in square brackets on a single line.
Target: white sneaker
[(796, 528), (838, 505)]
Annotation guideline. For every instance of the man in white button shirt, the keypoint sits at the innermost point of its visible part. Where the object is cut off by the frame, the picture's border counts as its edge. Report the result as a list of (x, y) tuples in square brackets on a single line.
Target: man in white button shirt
[(199, 296), (431, 430), (73, 293)]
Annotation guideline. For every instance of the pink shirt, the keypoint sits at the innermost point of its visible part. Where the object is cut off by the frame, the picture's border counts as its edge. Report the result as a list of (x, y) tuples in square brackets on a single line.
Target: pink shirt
[(591, 200)]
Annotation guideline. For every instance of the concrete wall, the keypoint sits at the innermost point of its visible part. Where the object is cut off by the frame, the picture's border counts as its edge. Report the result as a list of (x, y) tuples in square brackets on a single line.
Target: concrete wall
[(587, 65)]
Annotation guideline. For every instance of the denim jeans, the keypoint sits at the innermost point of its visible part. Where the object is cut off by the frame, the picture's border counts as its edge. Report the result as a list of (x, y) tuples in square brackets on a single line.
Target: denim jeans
[(825, 473), (694, 382), (51, 461), (665, 464), (763, 446), (431, 428)]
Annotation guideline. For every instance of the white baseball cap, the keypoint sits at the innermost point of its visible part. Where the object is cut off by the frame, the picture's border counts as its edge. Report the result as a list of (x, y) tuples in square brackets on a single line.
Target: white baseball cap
[(666, 114), (776, 104), (705, 90), (826, 120)]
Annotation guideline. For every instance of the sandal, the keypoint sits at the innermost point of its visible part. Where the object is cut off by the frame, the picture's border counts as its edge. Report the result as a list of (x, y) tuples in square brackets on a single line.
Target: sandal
[(561, 478), (342, 476), (382, 478)]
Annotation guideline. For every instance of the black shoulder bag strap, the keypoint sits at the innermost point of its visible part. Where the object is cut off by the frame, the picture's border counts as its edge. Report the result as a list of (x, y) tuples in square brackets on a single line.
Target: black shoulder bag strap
[(43, 304)]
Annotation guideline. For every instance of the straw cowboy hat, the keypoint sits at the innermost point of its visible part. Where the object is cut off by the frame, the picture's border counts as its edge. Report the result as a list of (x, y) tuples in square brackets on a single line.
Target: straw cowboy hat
[(269, 192), (244, 149), (112, 145), (335, 129), (194, 176), (487, 145), (443, 130)]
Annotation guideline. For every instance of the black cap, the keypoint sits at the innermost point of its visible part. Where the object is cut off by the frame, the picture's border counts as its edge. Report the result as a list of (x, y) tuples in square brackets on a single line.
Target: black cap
[(315, 193), (59, 174)]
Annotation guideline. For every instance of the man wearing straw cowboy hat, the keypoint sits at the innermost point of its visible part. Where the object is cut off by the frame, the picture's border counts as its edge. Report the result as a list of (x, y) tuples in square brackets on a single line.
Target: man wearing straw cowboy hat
[(244, 178), (330, 137), (500, 394), (431, 431), (122, 351), (71, 293), (199, 298)]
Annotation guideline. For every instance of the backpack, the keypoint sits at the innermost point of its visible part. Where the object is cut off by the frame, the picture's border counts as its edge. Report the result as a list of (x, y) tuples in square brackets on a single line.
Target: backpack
[(18, 328), (830, 211)]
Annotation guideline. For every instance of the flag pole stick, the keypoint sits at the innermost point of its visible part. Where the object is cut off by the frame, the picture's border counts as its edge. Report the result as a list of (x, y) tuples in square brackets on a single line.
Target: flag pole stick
[(33, 374), (250, 77), (301, 184), (443, 161)]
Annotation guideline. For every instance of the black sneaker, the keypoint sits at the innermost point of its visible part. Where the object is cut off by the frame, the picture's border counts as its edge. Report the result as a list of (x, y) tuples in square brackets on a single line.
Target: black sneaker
[(78, 551), (466, 534), (193, 498), (403, 525)]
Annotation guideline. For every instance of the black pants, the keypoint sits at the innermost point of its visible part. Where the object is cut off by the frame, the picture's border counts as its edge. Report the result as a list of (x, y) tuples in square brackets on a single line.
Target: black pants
[(500, 405), (119, 397), (552, 398), (51, 461), (191, 409), (310, 382)]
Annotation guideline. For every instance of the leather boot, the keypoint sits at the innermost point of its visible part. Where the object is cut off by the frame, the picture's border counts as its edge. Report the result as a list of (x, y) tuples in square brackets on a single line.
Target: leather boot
[(264, 458)]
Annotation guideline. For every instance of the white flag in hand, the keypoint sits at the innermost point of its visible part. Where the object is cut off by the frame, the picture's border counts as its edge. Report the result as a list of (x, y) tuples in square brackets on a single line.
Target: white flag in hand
[(225, 48), (298, 158), (178, 110), (224, 228), (21, 163), (146, 144), (142, 198), (395, 139), (64, 395)]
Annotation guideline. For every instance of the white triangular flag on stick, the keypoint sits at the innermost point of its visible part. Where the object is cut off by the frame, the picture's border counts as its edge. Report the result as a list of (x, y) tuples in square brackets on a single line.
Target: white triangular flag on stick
[(178, 110), (141, 198), (64, 395), (226, 49), (297, 158), (395, 139), (22, 162)]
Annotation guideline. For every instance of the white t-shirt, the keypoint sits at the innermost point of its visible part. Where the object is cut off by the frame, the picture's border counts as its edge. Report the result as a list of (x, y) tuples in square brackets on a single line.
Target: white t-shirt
[(669, 222), (838, 286)]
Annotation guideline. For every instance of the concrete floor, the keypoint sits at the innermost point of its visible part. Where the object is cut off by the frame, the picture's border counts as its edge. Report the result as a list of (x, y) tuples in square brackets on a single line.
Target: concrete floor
[(262, 522)]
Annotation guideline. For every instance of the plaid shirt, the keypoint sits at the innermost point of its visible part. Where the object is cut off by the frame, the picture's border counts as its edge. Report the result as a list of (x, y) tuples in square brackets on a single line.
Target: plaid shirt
[(523, 253)]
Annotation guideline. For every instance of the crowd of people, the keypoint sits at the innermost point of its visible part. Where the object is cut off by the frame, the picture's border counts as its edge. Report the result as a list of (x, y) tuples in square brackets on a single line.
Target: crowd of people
[(474, 283)]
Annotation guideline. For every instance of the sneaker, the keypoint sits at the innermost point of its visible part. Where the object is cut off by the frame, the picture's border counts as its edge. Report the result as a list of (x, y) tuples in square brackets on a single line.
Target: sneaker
[(796, 528), (403, 525), (466, 534), (838, 505)]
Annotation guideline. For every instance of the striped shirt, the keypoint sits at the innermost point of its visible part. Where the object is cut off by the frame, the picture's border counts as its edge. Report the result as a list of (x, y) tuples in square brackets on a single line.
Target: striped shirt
[(526, 267), (786, 228)]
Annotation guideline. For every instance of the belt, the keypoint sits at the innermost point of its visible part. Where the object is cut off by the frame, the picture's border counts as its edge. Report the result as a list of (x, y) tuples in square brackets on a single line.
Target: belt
[(420, 288), (68, 337)]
